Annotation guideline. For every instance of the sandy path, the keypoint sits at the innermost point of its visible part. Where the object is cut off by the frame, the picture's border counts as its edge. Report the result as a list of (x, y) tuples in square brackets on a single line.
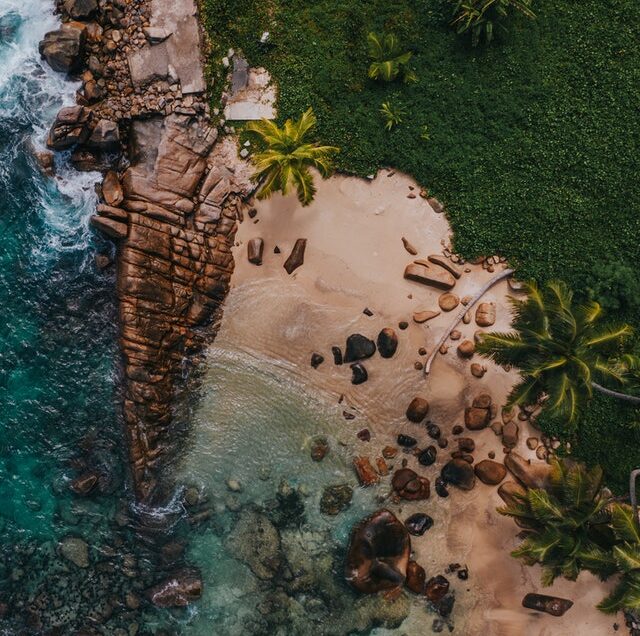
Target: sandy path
[(355, 259)]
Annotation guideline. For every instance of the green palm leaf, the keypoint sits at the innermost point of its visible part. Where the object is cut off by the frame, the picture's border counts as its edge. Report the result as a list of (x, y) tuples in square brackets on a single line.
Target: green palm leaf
[(624, 523)]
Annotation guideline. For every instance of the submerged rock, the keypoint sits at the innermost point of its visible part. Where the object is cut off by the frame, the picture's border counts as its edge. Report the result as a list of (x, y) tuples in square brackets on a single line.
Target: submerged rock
[(255, 541), (177, 590), (367, 475), (76, 550), (335, 499), (378, 553)]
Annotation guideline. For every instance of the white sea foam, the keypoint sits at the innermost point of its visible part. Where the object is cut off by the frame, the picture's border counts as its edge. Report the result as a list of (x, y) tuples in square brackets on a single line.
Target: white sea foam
[(31, 93)]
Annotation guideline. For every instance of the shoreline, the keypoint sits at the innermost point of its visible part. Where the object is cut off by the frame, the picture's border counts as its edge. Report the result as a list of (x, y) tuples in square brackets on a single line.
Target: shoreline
[(354, 260), (172, 192)]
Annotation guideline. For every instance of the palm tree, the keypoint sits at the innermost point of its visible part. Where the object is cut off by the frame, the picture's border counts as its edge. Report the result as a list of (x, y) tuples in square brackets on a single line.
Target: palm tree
[(626, 558), (392, 115), (286, 156), (481, 16), (566, 525), (388, 61), (561, 351)]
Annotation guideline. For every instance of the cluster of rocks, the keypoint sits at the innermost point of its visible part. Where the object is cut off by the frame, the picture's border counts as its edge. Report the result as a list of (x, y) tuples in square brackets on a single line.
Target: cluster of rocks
[(255, 251), (359, 348), (379, 560), (171, 197)]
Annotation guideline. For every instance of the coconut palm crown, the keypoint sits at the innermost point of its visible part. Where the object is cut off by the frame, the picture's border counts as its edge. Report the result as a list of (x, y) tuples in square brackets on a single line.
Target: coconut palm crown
[(560, 349), (285, 156), (566, 525)]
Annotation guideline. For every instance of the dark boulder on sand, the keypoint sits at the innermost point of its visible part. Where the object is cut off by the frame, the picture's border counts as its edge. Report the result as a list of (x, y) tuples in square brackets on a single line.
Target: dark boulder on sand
[(387, 342), (358, 347), (459, 473), (553, 605), (378, 553)]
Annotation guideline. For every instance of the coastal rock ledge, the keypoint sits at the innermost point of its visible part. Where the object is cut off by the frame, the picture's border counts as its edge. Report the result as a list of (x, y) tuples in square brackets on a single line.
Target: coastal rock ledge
[(171, 198)]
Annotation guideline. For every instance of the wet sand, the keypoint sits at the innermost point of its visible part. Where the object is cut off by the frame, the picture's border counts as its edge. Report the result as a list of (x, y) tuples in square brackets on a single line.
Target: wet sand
[(355, 260)]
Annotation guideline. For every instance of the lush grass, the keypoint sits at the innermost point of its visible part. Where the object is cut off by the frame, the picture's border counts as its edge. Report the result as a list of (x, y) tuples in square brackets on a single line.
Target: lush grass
[(534, 141)]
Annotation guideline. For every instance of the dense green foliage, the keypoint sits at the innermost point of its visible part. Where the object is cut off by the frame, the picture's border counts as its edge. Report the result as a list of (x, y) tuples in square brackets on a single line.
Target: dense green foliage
[(533, 141), (615, 285), (388, 60), (572, 525), (285, 154), (561, 349), (566, 526)]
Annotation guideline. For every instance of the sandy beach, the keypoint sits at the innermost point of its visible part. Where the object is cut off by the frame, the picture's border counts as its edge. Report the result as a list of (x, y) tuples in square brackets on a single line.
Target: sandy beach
[(354, 260)]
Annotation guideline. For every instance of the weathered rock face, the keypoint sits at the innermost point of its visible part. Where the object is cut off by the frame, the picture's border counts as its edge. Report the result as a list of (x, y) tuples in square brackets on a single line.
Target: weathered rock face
[(182, 197), (71, 126), (79, 9), (378, 553), (63, 49), (105, 136)]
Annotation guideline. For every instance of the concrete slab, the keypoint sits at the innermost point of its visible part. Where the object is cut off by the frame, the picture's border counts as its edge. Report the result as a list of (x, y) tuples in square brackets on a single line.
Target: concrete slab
[(255, 101), (148, 64), (183, 48), (240, 75)]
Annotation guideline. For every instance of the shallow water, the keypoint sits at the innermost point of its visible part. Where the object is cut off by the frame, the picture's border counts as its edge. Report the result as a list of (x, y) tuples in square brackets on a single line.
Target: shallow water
[(251, 421)]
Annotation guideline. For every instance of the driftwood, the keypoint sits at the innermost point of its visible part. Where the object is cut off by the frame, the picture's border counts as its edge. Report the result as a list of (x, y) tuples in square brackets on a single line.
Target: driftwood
[(461, 312)]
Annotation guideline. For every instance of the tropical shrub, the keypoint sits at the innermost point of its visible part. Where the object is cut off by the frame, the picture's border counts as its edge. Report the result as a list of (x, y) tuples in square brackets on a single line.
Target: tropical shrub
[(481, 17), (615, 285), (391, 114), (285, 157), (388, 60), (562, 350)]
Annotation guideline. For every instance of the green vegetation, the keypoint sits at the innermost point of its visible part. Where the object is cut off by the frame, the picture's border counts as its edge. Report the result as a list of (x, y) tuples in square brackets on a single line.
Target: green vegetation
[(566, 528), (285, 156), (388, 62), (560, 349), (391, 114), (480, 17), (533, 141), (574, 525)]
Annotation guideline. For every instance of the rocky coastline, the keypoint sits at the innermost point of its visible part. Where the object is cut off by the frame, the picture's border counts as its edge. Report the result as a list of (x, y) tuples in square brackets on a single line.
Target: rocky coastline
[(172, 193)]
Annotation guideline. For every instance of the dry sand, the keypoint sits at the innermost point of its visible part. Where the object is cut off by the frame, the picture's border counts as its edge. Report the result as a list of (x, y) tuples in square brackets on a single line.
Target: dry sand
[(355, 259)]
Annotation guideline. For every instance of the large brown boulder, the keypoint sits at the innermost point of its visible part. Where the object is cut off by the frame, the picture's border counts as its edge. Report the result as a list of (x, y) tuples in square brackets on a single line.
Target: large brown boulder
[(530, 475), (476, 419), (72, 126), (428, 275), (105, 136), (80, 9), (490, 472), (378, 553), (417, 410), (409, 485), (111, 189), (63, 49), (459, 473), (177, 590)]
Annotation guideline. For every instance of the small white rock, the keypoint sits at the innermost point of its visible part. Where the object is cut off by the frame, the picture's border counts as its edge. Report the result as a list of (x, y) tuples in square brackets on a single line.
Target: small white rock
[(225, 61), (247, 143), (265, 37), (234, 485), (230, 53), (244, 153)]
